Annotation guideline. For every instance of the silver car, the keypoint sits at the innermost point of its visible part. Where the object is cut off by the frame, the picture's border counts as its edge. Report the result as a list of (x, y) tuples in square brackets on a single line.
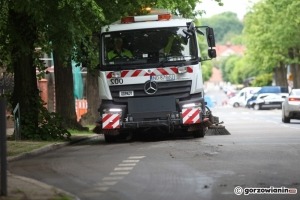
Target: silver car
[(291, 106)]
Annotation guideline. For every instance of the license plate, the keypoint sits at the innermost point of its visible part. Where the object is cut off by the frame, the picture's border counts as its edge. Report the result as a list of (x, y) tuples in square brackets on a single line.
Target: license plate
[(169, 77), (126, 94)]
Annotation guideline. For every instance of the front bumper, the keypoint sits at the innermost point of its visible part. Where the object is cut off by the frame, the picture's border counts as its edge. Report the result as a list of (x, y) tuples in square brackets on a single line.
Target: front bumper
[(164, 111)]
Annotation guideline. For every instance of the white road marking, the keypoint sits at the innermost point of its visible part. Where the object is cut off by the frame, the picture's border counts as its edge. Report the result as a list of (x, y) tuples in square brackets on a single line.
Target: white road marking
[(123, 168), (136, 157), (131, 161), (127, 164), (118, 173)]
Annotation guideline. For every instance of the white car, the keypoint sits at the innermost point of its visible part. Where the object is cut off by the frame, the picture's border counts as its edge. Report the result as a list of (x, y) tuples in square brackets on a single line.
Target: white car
[(291, 106), (268, 101), (240, 99)]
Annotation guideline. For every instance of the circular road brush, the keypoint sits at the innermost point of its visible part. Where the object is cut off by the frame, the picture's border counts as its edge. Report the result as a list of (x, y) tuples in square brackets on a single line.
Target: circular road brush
[(217, 129)]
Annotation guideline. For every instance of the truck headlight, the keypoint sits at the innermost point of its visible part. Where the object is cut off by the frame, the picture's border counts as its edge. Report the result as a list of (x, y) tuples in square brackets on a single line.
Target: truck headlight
[(112, 110), (182, 70), (191, 105), (116, 74)]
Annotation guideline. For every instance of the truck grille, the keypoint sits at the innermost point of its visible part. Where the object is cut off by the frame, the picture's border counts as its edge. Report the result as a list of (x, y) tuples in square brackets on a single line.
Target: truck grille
[(177, 89)]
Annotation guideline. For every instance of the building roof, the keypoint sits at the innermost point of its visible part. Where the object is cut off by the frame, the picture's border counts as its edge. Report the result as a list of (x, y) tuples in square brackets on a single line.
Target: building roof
[(229, 49)]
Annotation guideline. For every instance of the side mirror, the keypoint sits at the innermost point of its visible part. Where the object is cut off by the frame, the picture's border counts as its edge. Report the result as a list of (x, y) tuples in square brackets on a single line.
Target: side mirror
[(212, 53), (210, 37)]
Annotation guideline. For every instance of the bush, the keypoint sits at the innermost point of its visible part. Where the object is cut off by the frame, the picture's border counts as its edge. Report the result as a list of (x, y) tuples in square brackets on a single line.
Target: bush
[(262, 80)]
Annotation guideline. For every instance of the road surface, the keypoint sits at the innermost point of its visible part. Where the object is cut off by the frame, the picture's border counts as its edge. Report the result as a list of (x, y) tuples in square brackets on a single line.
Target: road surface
[(261, 152)]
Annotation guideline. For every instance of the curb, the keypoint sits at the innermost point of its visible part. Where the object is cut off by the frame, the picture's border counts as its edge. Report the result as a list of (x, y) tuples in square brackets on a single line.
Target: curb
[(43, 185), (43, 150), (48, 148)]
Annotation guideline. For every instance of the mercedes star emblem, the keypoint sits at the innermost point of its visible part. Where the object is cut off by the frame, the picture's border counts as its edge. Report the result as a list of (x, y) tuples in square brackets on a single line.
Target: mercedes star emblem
[(150, 87)]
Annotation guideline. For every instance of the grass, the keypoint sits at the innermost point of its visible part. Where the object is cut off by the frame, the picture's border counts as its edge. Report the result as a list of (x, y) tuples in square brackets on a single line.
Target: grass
[(77, 132), (15, 148)]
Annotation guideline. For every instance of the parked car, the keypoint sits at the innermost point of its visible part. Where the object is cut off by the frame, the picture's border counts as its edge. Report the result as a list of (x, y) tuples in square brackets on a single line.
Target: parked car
[(291, 106), (240, 99), (266, 90), (268, 101)]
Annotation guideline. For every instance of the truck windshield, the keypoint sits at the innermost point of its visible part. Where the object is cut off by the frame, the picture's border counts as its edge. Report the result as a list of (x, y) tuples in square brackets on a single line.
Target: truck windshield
[(161, 46)]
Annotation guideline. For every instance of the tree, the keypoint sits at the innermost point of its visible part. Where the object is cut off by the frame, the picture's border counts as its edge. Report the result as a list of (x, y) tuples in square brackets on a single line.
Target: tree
[(19, 43), (67, 26), (61, 27), (272, 43), (226, 26)]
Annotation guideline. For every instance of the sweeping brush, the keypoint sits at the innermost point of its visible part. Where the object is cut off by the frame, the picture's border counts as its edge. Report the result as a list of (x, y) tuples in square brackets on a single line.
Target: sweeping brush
[(217, 129)]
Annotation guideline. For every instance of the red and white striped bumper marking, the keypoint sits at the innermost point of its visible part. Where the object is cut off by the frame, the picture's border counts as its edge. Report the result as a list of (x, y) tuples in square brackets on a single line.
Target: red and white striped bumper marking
[(155, 72), (191, 116), (111, 121)]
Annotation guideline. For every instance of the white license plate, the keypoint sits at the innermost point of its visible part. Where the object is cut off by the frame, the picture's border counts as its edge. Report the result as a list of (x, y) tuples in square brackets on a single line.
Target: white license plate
[(126, 93), (169, 77)]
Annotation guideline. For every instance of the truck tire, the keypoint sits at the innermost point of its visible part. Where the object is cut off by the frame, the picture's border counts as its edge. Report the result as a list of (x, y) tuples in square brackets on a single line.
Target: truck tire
[(199, 133), (110, 138)]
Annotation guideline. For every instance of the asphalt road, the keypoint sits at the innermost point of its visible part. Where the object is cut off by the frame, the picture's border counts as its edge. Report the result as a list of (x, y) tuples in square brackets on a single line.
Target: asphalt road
[(261, 152)]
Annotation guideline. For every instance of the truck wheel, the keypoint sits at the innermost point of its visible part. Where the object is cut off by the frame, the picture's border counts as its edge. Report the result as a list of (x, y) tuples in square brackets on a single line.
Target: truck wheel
[(110, 138), (199, 133)]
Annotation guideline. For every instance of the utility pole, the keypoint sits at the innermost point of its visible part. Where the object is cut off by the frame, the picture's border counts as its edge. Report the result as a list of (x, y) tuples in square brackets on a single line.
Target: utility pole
[(3, 156)]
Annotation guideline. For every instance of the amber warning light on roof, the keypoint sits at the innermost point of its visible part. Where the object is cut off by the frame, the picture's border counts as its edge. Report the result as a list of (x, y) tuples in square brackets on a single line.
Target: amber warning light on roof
[(143, 18)]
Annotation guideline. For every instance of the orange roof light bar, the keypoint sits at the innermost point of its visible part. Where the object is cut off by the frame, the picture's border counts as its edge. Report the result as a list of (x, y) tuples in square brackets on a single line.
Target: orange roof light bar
[(143, 18), (127, 20), (166, 16)]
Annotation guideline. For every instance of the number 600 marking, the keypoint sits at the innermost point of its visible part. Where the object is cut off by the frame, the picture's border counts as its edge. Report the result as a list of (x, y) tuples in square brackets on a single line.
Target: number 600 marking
[(116, 81)]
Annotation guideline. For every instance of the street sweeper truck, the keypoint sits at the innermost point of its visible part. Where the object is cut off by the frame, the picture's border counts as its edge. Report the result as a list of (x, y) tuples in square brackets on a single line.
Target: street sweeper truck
[(151, 76)]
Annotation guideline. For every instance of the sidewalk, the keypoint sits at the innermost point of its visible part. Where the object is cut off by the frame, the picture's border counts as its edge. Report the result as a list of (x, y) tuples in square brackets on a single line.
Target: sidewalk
[(22, 188)]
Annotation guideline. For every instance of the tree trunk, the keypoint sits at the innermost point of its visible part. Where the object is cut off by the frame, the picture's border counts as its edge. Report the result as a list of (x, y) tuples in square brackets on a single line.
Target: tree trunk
[(280, 75), (92, 98), (295, 70), (64, 94), (25, 82)]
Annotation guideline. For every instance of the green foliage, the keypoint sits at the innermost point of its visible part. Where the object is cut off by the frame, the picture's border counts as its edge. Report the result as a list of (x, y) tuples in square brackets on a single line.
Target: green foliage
[(262, 80), (66, 27), (206, 70), (50, 125), (228, 66), (271, 30), (226, 25)]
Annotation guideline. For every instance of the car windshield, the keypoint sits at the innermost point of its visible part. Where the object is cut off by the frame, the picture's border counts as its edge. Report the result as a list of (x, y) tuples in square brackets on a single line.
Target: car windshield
[(148, 46)]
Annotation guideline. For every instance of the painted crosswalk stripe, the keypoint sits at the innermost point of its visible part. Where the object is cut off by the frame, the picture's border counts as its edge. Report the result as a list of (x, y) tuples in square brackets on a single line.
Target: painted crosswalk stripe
[(123, 168), (136, 157), (131, 161), (119, 173), (127, 164)]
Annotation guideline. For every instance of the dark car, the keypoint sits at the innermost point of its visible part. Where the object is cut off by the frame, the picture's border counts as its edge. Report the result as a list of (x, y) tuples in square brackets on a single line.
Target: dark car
[(268, 90)]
